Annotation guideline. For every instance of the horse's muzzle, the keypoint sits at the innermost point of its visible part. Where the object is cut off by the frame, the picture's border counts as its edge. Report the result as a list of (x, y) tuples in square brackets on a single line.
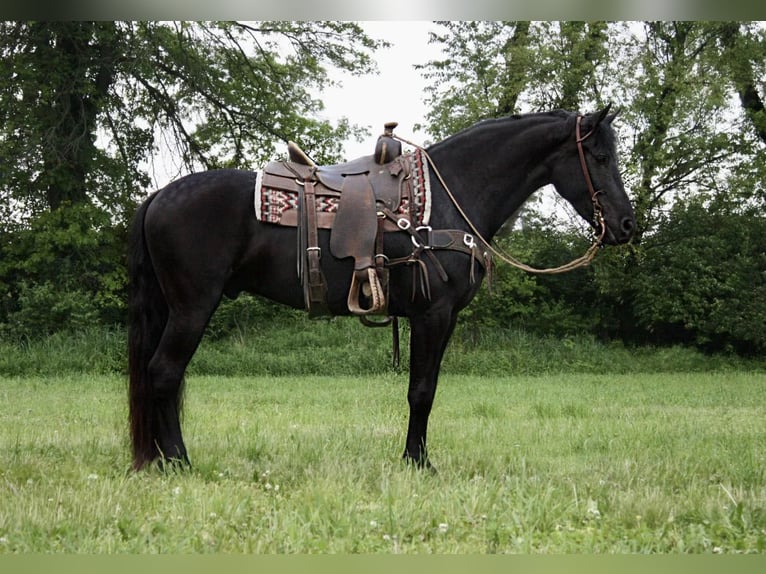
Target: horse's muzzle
[(616, 235)]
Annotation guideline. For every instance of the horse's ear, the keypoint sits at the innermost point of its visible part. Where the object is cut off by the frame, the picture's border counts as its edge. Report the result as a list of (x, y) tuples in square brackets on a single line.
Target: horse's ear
[(591, 121), (600, 116)]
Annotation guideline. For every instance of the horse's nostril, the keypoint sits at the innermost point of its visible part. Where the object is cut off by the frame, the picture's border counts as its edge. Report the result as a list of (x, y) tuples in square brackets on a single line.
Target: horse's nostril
[(626, 225)]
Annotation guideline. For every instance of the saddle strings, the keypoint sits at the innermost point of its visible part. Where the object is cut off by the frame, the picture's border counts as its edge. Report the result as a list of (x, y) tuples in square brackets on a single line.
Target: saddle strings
[(582, 261)]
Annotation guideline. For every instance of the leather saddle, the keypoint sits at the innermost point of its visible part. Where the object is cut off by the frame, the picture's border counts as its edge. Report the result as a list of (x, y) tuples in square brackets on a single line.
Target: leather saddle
[(347, 199)]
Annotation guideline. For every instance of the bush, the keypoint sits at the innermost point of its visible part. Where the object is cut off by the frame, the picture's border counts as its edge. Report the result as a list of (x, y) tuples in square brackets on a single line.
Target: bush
[(44, 309), (246, 314), (64, 270), (539, 304), (703, 279)]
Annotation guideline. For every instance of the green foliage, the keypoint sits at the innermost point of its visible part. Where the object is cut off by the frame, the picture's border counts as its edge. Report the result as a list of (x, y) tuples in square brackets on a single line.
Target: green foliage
[(704, 276), (45, 309), (246, 315), (299, 346), (89, 351), (493, 69), (84, 106), (64, 271), (541, 304)]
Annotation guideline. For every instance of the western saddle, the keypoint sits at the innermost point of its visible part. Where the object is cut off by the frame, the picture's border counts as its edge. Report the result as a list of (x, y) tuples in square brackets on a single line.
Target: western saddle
[(361, 200)]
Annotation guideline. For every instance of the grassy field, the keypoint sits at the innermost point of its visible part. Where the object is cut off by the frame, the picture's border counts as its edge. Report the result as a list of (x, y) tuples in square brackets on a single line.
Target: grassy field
[(551, 463)]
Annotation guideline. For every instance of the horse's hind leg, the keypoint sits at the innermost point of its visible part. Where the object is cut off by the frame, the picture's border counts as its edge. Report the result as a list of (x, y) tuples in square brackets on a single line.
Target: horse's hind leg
[(179, 340)]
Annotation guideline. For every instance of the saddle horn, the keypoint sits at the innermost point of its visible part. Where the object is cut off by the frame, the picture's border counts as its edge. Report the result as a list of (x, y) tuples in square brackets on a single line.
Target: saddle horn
[(387, 148)]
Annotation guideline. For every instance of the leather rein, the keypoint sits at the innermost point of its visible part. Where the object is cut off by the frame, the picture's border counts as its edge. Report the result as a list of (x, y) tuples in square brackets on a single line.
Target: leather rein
[(598, 215)]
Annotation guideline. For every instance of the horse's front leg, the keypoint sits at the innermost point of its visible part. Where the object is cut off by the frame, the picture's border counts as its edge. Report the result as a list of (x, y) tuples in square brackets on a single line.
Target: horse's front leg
[(429, 336)]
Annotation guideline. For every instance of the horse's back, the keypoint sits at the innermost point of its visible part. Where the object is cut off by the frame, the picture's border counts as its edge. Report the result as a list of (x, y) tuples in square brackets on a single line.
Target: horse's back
[(214, 192), (197, 225)]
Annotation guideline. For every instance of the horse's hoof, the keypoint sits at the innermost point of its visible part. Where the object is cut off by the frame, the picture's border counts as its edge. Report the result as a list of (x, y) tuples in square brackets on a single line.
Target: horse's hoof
[(421, 463), (171, 465)]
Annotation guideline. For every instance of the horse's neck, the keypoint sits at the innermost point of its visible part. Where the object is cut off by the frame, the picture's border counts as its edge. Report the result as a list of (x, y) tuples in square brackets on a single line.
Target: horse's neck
[(492, 175)]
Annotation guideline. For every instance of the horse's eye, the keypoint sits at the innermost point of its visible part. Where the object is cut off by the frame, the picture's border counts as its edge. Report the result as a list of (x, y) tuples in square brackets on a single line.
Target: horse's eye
[(602, 158)]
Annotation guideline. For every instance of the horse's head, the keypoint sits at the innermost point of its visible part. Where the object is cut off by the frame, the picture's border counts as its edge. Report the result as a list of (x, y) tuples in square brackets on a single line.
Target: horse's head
[(586, 173)]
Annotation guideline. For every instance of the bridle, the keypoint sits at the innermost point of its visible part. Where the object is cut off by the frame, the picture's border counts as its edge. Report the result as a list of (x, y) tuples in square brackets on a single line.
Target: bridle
[(597, 213)]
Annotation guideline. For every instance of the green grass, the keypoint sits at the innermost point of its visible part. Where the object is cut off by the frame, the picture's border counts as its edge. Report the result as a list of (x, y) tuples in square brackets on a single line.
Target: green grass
[(297, 346), (554, 463)]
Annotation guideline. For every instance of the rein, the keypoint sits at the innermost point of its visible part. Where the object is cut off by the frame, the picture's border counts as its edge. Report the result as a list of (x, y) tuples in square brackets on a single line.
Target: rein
[(582, 261)]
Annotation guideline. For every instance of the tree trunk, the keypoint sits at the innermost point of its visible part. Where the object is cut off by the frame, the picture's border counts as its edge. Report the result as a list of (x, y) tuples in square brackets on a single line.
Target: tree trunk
[(742, 76), (81, 74)]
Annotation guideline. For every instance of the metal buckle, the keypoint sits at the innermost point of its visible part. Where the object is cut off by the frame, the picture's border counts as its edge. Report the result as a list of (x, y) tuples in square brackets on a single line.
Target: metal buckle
[(469, 241), (414, 237), (317, 249), (427, 243), (403, 223)]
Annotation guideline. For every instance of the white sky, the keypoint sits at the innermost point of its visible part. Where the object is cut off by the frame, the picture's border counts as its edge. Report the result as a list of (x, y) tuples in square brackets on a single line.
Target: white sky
[(395, 94)]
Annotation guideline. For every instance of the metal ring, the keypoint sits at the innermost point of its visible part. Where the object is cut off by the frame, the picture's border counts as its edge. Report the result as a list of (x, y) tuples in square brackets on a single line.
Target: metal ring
[(403, 224), (469, 241)]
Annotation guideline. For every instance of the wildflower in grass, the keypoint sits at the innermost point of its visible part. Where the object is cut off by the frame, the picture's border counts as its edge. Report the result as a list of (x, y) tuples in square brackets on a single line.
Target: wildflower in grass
[(443, 526), (592, 510)]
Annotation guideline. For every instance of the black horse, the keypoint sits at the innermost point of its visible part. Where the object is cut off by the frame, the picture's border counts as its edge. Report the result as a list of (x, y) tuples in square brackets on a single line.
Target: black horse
[(197, 239)]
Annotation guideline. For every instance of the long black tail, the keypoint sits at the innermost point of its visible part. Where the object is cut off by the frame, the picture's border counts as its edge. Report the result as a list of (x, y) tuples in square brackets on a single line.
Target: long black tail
[(147, 316)]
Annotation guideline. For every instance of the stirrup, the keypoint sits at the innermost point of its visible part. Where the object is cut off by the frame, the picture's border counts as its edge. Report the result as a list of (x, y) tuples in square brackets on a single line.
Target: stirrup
[(384, 322), (371, 287)]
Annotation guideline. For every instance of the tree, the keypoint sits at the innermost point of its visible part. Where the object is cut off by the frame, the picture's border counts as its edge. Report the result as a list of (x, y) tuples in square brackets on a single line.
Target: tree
[(85, 107), (494, 69), (742, 55), (672, 81)]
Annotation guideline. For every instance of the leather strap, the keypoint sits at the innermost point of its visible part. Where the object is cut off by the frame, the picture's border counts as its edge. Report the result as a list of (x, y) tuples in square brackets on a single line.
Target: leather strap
[(314, 284)]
